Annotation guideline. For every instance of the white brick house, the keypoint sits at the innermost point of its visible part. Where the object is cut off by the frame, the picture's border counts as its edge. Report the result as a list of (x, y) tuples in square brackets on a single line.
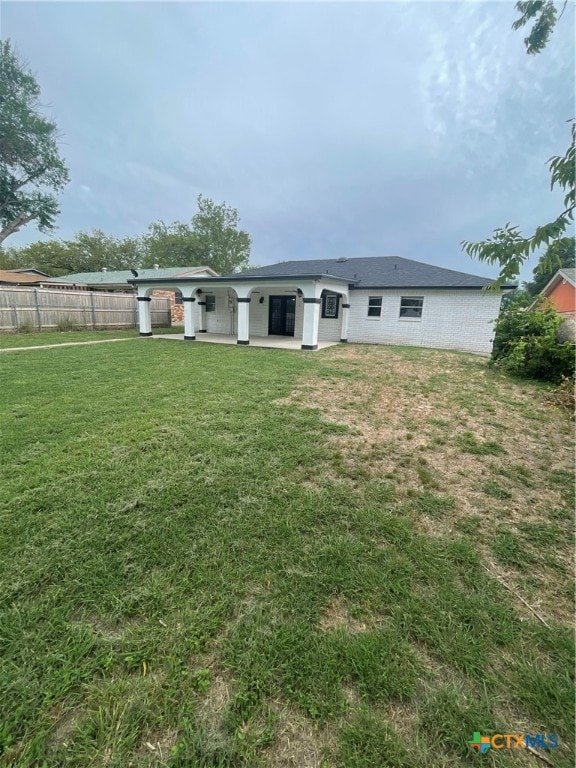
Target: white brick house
[(379, 300)]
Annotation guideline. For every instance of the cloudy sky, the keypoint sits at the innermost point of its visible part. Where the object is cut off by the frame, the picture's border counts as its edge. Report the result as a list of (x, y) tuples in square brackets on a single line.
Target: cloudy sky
[(336, 129)]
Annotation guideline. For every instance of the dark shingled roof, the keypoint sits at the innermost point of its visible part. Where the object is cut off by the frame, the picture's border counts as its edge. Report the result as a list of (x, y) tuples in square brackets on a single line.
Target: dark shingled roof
[(377, 272)]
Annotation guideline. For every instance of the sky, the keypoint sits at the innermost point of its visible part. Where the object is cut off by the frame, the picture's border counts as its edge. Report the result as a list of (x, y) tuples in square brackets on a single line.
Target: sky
[(336, 129)]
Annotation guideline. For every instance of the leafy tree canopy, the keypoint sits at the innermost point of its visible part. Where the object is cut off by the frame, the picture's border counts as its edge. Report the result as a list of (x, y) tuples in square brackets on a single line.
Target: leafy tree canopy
[(508, 247), (87, 252), (226, 248), (31, 169), (211, 239), (560, 254)]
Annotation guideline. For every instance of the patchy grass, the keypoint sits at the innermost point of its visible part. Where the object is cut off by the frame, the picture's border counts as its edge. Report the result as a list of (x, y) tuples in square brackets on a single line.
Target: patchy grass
[(215, 556)]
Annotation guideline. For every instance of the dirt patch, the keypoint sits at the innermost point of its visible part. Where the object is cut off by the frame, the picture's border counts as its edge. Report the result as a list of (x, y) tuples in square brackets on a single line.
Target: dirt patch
[(157, 746), (110, 632), (64, 728), (337, 616), (300, 742), (213, 706), (446, 425)]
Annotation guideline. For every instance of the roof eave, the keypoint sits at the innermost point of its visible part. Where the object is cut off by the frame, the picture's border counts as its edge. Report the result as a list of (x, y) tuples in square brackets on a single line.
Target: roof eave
[(363, 287), (241, 278)]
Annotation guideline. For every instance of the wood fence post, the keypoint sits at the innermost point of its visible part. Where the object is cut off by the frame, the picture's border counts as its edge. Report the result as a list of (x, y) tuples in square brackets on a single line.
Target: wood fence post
[(93, 310), (38, 310)]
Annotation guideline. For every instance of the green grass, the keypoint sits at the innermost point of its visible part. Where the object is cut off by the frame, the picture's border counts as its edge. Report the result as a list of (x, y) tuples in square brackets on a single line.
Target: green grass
[(197, 570), (12, 340)]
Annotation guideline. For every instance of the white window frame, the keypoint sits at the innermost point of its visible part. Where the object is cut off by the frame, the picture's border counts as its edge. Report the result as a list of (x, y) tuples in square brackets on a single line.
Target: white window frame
[(373, 305), (417, 319)]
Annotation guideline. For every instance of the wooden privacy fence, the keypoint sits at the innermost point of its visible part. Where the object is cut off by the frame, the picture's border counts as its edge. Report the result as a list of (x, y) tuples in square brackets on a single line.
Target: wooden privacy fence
[(43, 309)]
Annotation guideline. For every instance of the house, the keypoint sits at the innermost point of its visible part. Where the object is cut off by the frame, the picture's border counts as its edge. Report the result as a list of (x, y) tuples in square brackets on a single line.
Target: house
[(22, 277), (381, 300), (117, 281), (560, 292)]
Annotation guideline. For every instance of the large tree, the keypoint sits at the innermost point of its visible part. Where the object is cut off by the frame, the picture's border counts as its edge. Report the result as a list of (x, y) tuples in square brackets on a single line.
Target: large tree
[(87, 252), (172, 245), (212, 239), (508, 247), (31, 169), (226, 248)]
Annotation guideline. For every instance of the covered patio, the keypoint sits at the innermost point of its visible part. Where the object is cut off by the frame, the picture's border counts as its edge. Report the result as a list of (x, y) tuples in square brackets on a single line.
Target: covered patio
[(269, 342), (308, 311)]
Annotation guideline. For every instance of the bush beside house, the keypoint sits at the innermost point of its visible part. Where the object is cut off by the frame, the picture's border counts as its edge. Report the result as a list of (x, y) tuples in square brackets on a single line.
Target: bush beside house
[(526, 344)]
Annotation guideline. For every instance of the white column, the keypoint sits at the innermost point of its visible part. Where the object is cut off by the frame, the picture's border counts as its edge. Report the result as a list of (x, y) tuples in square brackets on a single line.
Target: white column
[(144, 316), (243, 320), (311, 323), (345, 315), (202, 319), (188, 301)]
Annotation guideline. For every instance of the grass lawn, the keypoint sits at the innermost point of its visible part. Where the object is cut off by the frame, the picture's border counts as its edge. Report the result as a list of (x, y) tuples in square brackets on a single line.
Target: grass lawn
[(11, 340), (216, 557)]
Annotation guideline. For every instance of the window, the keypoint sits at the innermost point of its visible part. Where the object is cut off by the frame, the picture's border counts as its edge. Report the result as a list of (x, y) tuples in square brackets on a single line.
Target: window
[(374, 306), (411, 307), (178, 298), (210, 303), (330, 302)]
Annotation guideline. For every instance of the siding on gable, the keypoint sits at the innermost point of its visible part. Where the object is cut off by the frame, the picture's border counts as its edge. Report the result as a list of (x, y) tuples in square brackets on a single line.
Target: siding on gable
[(563, 297), (460, 319)]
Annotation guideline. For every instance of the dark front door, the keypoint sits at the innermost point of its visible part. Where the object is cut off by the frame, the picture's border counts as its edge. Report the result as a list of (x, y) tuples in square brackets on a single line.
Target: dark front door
[(282, 317)]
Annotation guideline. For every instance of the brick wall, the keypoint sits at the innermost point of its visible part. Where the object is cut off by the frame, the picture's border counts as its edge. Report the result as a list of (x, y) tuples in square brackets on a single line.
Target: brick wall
[(176, 310), (460, 319)]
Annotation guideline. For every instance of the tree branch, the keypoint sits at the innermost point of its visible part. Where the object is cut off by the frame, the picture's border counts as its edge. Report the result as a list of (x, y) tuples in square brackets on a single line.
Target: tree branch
[(16, 224)]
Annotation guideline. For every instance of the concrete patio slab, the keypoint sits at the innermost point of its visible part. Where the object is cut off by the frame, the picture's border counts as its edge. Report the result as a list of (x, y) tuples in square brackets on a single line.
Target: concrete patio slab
[(270, 342)]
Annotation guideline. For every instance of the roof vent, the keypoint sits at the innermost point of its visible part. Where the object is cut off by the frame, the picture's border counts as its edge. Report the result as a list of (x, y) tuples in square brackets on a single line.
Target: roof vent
[(156, 266), (341, 260), (104, 269)]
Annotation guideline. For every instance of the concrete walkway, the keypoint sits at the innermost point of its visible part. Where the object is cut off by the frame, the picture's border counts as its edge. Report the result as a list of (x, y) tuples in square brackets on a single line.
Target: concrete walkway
[(67, 344)]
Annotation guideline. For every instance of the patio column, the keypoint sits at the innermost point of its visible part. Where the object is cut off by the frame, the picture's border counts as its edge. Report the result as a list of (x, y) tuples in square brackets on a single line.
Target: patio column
[(344, 328), (311, 323), (189, 317), (144, 315), (202, 306), (243, 320)]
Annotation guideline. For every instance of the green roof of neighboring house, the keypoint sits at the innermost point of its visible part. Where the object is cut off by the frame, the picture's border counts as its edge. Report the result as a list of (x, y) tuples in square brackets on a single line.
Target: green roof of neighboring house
[(122, 276)]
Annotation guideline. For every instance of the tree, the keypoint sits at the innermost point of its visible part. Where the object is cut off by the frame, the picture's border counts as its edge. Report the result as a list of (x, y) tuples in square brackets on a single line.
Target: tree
[(173, 245), (227, 248), (212, 239), (31, 169), (544, 271), (87, 252), (508, 247)]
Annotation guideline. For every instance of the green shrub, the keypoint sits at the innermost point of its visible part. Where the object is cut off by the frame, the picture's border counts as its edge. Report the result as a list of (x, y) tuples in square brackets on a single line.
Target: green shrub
[(526, 344), (67, 324), (26, 327)]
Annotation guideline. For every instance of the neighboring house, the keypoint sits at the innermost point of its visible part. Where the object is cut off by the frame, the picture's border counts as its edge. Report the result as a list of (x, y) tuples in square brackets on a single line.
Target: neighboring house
[(381, 300), (560, 292), (22, 277), (117, 281)]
